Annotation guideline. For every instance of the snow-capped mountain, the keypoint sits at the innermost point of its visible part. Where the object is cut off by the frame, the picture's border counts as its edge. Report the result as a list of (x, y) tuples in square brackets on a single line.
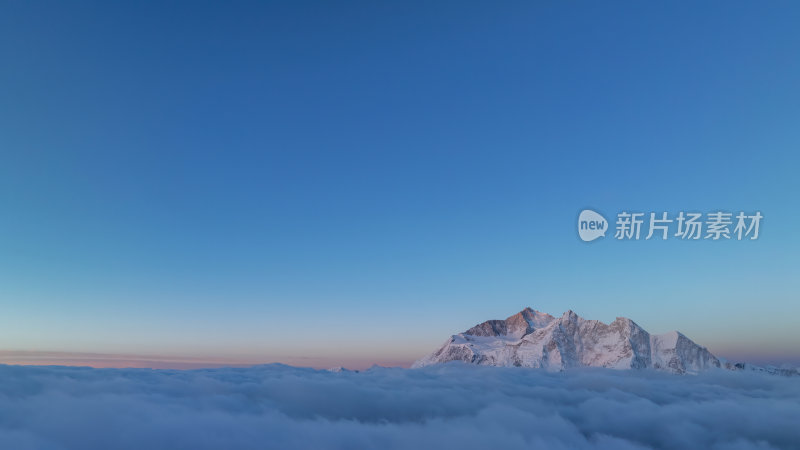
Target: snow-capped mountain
[(534, 339), (770, 370)]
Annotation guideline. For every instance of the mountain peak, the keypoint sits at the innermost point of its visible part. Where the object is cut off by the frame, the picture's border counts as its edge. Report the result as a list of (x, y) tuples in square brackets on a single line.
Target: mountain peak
[(527, 339), (570, 315), (516, 326)]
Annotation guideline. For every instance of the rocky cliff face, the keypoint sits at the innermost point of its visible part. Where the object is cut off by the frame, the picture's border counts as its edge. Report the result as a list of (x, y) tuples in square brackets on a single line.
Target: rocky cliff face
[(534, 339)]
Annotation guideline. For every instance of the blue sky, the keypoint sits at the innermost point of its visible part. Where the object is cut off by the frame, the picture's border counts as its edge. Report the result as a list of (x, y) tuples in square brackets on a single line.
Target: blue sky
[(309, 182)]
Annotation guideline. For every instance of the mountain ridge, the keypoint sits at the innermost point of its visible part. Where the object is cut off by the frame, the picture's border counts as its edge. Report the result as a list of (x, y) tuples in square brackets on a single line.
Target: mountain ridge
[(531, 338)]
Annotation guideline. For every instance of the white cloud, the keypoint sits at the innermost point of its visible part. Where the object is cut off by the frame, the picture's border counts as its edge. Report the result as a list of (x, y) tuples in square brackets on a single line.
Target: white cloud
[(452, 406)]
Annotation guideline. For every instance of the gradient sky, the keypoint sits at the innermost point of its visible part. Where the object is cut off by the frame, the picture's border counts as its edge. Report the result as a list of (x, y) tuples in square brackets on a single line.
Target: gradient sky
[(351, 183)]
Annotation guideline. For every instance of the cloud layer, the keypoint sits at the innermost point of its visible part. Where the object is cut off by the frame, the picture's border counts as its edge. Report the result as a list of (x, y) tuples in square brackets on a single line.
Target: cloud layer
[(451, 406)]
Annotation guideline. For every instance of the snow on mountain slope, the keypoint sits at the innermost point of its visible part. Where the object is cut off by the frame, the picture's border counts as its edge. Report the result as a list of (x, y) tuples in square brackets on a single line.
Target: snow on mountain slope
[(534, 339), (771, 370)]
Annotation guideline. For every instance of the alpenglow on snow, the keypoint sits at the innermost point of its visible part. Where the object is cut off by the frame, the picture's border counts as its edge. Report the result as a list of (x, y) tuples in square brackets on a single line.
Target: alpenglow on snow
[(534, 339)]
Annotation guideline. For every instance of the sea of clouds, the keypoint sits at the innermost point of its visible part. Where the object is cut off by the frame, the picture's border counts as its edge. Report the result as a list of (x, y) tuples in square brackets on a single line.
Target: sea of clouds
[(452, 406)]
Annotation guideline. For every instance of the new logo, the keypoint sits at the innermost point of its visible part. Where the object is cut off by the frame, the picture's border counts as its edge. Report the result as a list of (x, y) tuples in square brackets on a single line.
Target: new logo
[(591, 225)]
